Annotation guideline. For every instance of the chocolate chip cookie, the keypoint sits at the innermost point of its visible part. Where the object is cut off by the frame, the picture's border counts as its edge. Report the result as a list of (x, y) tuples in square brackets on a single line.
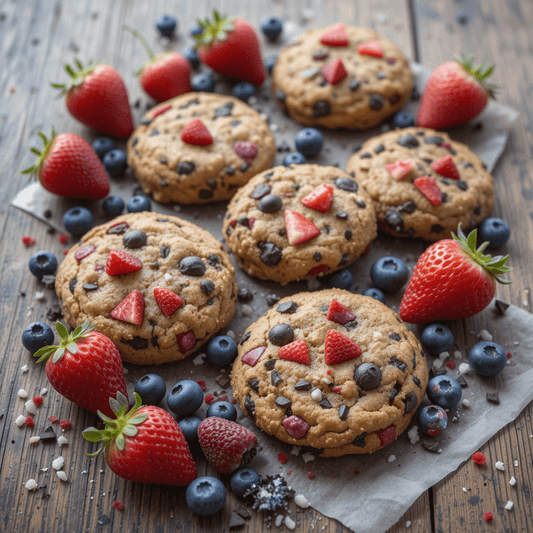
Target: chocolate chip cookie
[(341, 77), (422, 183), (159, 287), (298, 222), (332, 370), (176, 164)]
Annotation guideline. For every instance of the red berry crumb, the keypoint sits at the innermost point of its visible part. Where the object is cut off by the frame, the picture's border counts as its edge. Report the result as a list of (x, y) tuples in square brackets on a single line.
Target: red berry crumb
[(479, 458), (37, 400), (53, 419), (450, 364), (202, 384), (28, 241), (337, 389), (63, 238), (233, 402), (282, 458), (488, 516), (29, 421), (289, 472), (209, 399), (65, 252), (328, 371), (366, 252), (118, 505), (509, 355), (65, 424), (310, 475), (356, 471)]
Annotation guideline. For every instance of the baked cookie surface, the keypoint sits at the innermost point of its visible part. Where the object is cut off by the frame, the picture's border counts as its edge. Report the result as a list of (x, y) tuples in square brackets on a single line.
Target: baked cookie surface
[(370, 87), (332, 370), (175, 171), (179, 259), (293, 223), (404, 207)]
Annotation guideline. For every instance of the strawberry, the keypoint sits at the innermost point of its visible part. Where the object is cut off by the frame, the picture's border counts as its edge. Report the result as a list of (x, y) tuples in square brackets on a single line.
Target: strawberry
[(85, 367), (335, 35), (452, 280), (97, 97), (339, 348), (131, 309), (196, 132), (445, 166), (400, 169), (144, 444), (119, 263), (334, 71), (231, 48), (299, 228), (296, 351), (454, 94), (429, 188), (370, 48), (169, 302), (69, 167), (339, 313), (319, 198), (186, 340), (226, 445)]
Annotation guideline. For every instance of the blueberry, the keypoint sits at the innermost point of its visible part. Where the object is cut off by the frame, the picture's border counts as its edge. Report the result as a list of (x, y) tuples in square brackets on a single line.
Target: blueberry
[(221, 350), (272, 27), (138, 203), (342, 279), (113, 206), (270, 62), (197, 30), (192, 57), (222, 410), (43, 263), (487, 358), (437, 339), (243, 91), (203, 83), (206, 495), (37, 335), (78, 221), (115, 162), (151, 388), (494, 230), (432, 420), (185, 397), (166, 25), (376, 294), (296, 158), (389, 273), (402, 119), (444, 391), (189, 428), (309, 142), (102, 145), (243, 480)]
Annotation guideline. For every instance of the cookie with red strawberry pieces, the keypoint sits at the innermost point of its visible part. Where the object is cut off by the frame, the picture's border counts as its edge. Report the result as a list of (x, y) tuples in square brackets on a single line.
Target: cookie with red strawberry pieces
[(333, 371), (423, 184), (298, 222), (199, 148), (158, 286), (341, 77)]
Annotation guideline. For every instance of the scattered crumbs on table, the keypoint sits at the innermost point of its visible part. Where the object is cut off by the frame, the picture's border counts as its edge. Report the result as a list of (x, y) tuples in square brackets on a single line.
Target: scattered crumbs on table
[(499, 465)]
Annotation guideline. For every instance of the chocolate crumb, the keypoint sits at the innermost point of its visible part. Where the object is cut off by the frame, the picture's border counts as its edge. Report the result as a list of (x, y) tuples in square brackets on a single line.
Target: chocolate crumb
[(493, 397)]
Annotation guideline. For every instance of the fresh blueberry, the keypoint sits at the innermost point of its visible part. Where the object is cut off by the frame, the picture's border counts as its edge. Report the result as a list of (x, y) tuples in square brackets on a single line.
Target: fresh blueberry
[(151, 388), (221, 350), (341, 279), (43, 263), (432, 420), (166, 25), (192, 57), (403, 119), (444, 391), (185, 397), (309, 142), (494, 230), (138, 203), (206, 495), (243, 480), (37, 335), (272, 27), (487, 358), (115, 162), (203, 83), (189, 428), (113, 206), (389, 273), (196, 30), (102, 145), (222, 410), (296, 158), (270, 62), (376, 294), (243, 91), (437, 339), (78, 221)]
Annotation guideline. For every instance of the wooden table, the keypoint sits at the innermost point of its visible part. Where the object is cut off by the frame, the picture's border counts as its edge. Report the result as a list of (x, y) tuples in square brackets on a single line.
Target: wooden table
[(36, 39)]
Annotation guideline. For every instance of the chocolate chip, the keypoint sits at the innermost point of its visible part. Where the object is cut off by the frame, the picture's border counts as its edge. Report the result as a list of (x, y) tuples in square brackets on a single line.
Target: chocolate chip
[(282, 232), (243, 221), (90, 286), (260, 190), (244, 166), (134, 239), (207, 287), (346, 184), (54, 313), (359, 441), (461, 185), (154, 265), (408, 141), (393, 392), (145, 121), (343, 411), (185, 168), (437, 228), (230, 170), (281, 334), (163, 160), (411, 401), (213, 260), (270, 253), (365, 155), (48, 434), (192, 266), (324, 403), (272, 299), (477, 210), (194, 101), (275, 378), (205, 194), (302, 385), (367, 376), (224, 110), (416, 381), (342, 215), (72, 284), (361, 204), (317, 256), (437, 140), (501, 306), (137, 343), (245, 337), (398, 364), (348, 234), (234, 123), (379, 148), (249, 405), (287, 307), (270, 364), (281, 96), (254, 384), (493, 397), (462, 381), (444, 198), (322, 108), (134, 142), (431, 445), (235, 521), (282, 401), (466, 164), (393, 218), (164, 250), (408, 207), (271, 203), (154, 133), (245, 295), (394, 337), (327, 229), (344, 259), (376, 101)]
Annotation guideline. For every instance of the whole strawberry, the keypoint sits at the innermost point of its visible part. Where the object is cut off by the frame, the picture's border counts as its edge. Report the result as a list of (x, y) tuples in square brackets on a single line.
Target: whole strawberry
[(226, 445), (69, 167), (231, 48), (85, 367), (455, 93), (97, 97), (144, 444), (452, 280)]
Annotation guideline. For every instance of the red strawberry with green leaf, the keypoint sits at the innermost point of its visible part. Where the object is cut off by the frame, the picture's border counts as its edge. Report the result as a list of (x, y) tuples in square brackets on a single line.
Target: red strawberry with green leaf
[(334, 71), (339, 348), (69, 167), (400, 169), (196, 133), (85, 367), (299, 228), (119, 263), (169, 302), (335, 35), (427, 185), (97, 97), (144, 444), (296, 351), (231, 48), (131, 309), (451, 280), (320, 198), (339, 313), (445, 166), (371, 48)]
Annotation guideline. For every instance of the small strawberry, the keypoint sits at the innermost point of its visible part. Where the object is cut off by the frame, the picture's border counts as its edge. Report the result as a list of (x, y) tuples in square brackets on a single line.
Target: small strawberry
[(296, 351), (339, 348), (169, 302), (370, 48), (120, 262), (69, 167), (455, 93), (335, 35), (452, 280), (445, 166), (429, 188), (320, 198), (186, 340), (97, 97), (246, 150), (339, 313), (334, 71), (400, 169), (131, 309), (299, 228), (231, 48), (196, 133), (226, 445), (85, 367), (144, 444)]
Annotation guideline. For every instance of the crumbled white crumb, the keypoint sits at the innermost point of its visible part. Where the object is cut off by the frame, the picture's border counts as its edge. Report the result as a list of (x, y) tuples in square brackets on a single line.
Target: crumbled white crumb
[(307, 14), (22, 393), (295, 451), (437, 363), (58, 463), (316, 395), (124, 370), (308, 457), (516, 343), (39, 296), (499, 465), (516, 460), (264, 116), (312, 284), (199, 359), (301, 501), (31, 484), (391, 458), (413, 435), (62, 440), (485, 335), (466, 403), (62, 475), (167, 276), (444, 355), (279, 519), (378, 336), (274, 127), (509, 505), (465, 489), (408, 524), (231, 334), (101, 470), (44, 469), (20, 420), (464, 368), (30, 407), (457, 354), (33, 440), (246, 310), (44, 390), (24, 368), (84, 471), (252, 100), (327, 381), (381, 18), (512, 481), (290, 523), (176, 208)]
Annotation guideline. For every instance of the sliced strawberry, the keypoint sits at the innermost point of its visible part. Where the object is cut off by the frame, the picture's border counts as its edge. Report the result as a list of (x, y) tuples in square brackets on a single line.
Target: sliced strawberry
[(131, 309), (168, 301), (296, 351), (251, 357), (161, 110), (196, 132), (319, 198), (400, 169), (318, 270), (185, 340), (387, 435), (429, 188), (335, 35), (299, 228), (84, 251), (445, 166), (370, 48), (119, 263), (339, 348), (246, 150), (334, 71), (339, 313)]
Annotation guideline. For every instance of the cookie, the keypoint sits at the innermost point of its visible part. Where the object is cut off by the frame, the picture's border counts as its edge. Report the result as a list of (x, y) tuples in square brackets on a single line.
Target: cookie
[(159, 287), (174, 170), (331, 370), (341, 77), (297, 222), (422, 183)]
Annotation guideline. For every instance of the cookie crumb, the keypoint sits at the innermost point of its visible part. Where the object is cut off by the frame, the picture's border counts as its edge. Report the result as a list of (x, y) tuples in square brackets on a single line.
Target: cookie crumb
[(512, 481), (509, 505), (493, 397), (31, 484), (499, 465), (301, 501), (290, 523)]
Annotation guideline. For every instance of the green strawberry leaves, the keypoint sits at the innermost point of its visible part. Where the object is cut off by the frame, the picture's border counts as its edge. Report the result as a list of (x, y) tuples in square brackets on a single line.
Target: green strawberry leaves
[(41, 155), (216, 30), (76, 76), (477, 72)]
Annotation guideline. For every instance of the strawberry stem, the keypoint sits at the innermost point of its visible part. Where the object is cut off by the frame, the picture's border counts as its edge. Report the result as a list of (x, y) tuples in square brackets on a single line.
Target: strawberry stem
[(477, 72), (216, 30), (76, 77), (143, 41), (41, 155)]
